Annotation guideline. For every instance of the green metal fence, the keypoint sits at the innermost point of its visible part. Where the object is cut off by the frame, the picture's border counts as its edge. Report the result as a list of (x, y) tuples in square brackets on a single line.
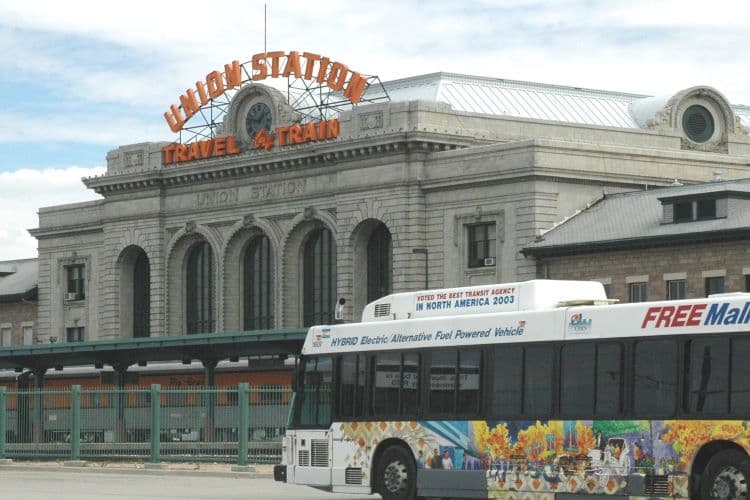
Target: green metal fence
[(240, 424)]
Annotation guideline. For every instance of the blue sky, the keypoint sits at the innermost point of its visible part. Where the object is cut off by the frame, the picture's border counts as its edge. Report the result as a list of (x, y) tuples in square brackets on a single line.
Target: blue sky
[(78, 79)]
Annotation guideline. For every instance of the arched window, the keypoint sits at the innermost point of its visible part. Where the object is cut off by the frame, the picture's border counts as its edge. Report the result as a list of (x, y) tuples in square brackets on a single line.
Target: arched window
[(200, 289), (258, 284), (319, 278), (141, 296), (379, 263)]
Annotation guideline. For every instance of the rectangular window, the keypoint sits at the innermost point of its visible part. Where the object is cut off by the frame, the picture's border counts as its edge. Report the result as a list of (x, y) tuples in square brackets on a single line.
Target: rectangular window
[(683, 211), (708, 376), (706, 209), (577, 380), (676, 289), (455, 381), (537, 381), (507, 387), (6, 337), (714, 284), (609, 380), (348, 385), (655, 378), (76, 277), (28, 335), (482, 244), (75, 334), (638, 292), (747, 282), (315, 404), (387, 390), (740, 384), (396, 391)]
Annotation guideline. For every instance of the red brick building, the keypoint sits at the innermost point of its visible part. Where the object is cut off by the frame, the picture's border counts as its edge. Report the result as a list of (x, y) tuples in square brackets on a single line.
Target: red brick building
[(667, 243)]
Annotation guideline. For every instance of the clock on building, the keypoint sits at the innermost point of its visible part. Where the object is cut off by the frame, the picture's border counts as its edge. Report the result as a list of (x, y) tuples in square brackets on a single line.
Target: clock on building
[(259, 116)]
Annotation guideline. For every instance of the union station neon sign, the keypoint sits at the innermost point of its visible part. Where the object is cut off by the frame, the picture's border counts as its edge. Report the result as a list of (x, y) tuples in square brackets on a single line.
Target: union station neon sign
[(336, 75), (308, 66)]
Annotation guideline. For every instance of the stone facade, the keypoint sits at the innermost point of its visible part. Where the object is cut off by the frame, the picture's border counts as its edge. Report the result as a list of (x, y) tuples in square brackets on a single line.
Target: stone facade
[(424, 170), (17, 316)]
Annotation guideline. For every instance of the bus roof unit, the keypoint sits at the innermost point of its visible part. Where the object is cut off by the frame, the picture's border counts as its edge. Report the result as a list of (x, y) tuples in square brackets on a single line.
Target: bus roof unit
[(524, 296)]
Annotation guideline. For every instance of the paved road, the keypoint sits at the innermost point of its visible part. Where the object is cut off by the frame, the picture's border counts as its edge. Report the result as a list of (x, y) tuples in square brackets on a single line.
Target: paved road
[(46, 485)]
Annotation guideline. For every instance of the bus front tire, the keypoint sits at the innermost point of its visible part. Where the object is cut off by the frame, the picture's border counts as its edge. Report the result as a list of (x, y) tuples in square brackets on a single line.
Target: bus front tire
[(396, 475), (726, 476)]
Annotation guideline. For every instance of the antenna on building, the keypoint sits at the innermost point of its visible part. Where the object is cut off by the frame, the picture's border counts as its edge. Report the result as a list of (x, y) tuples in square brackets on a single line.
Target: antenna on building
[(265, 27)]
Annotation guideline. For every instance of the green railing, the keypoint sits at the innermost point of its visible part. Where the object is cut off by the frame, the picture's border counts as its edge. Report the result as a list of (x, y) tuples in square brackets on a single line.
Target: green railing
[(240, 424)]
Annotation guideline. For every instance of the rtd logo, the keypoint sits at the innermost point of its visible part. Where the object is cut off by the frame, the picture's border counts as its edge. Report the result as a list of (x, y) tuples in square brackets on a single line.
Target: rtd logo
[(673, 316)]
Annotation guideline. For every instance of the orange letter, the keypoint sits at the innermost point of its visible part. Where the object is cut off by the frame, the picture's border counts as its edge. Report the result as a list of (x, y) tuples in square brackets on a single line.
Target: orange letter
[(220, 146), (275, 62), (333, 128), (292, 65), (311, 58), (259, 65), (281, 132), (337, 76), (201, 87), (232, 148), (206, 148), (174, 119), (189, 103), (233, 74), (309, 134), (295, 134), (169, 153), (356, 87), (180, 153), (322, 70), (215, 84), (194, 151)]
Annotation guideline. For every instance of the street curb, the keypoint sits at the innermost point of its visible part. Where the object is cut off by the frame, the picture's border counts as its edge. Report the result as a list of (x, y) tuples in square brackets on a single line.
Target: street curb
[(146, 472)]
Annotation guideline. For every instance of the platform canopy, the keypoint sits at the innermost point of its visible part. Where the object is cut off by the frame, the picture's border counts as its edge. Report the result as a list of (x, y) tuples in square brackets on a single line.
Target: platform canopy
[(203, 347)]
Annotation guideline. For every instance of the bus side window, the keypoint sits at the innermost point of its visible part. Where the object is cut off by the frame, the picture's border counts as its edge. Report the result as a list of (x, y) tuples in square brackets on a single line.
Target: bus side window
[(707, 382), (609, 380), (739, 399), (537, 377), (577, 379), (655, 378), (507, 388)]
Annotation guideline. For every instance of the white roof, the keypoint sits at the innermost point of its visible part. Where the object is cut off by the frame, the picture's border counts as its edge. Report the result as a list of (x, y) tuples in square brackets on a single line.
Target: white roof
[(497, 96)]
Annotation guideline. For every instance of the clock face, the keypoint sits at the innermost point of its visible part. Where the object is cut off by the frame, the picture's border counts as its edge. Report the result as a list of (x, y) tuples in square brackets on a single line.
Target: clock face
[(259, 116)]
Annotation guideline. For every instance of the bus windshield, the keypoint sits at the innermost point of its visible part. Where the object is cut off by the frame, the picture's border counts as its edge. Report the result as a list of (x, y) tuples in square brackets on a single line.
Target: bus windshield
[(312, 404)]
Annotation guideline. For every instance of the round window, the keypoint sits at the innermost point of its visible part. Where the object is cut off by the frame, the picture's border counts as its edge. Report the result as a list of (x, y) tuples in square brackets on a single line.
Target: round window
[(698, 123)]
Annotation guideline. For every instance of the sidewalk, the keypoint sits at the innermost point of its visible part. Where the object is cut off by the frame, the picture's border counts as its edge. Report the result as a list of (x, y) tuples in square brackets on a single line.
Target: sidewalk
[(163, 468)]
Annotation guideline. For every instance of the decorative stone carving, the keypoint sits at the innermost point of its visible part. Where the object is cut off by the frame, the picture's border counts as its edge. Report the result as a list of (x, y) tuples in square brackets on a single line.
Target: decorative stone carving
[(248, 220), (310, 213), (190, 226)]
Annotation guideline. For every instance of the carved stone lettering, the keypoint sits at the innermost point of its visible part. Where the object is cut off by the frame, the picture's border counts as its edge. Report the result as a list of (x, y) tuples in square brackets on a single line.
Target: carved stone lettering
[(276, 190), (217, 198)]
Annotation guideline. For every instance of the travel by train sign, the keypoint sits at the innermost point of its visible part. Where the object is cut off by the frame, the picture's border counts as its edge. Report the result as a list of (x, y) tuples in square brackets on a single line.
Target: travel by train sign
[(227, 145)]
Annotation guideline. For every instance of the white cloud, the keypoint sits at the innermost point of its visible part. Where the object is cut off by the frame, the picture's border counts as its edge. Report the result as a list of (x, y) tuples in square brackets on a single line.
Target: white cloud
[(24, 192)]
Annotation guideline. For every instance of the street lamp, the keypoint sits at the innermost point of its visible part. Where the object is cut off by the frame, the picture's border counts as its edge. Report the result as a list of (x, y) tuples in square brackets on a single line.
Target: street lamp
[(426, 261)]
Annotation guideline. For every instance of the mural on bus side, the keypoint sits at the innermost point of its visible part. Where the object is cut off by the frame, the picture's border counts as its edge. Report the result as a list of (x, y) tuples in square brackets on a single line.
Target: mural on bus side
[(573, 456)]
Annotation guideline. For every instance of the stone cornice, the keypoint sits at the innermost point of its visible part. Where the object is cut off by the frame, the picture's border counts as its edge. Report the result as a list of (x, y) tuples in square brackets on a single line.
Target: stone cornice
[(289, 158)]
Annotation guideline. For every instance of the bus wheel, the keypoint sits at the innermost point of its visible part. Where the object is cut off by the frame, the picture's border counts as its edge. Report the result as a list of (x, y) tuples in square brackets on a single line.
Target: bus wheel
[(726, 476), (396, 475)]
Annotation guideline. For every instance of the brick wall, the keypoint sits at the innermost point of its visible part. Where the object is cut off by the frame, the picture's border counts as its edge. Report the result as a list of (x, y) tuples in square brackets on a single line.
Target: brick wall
[(695, 260), (17, 314)]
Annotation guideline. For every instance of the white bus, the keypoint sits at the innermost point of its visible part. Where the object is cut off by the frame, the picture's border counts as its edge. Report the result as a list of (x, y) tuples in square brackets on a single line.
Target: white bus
[(526, 390)]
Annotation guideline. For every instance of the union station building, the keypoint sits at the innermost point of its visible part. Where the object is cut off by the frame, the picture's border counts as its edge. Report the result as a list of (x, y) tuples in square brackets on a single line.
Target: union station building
[(438, 180)]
